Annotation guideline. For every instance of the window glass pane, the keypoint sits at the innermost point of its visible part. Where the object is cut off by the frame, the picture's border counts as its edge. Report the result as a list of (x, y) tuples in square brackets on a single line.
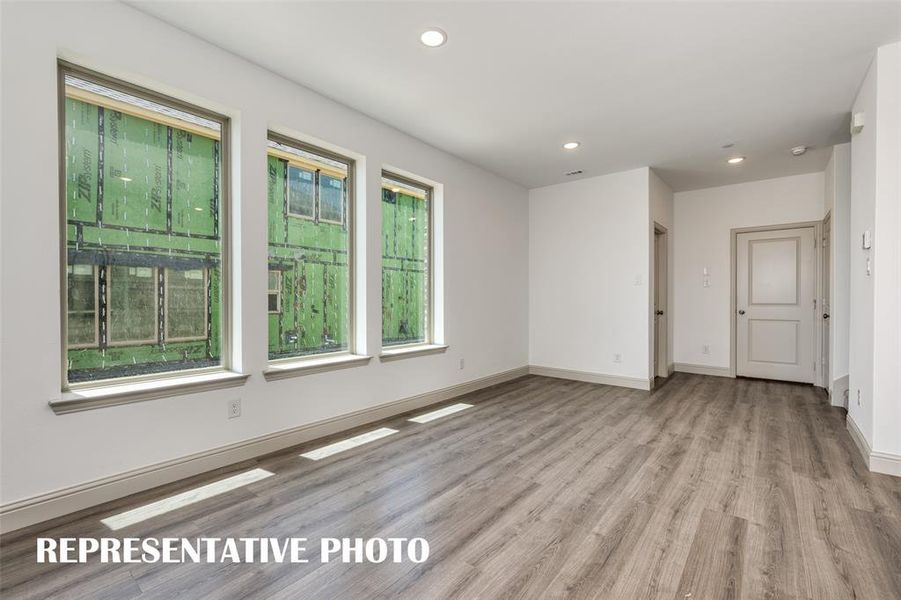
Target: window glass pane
[(82, 312), (331, 199), (274, 291), (309, 278), (405, 263), (143, 198), (186, 304), (301, 192), (133, 297)]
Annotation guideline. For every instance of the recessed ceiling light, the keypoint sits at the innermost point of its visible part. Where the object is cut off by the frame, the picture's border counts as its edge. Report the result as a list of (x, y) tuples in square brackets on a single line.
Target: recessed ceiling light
[(433, 37), (571, 145), (735, 160), (799, 150), (571, 173)]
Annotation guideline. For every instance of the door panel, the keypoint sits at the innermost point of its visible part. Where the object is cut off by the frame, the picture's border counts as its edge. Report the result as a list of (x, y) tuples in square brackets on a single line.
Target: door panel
[(774, 271), (775, 290)]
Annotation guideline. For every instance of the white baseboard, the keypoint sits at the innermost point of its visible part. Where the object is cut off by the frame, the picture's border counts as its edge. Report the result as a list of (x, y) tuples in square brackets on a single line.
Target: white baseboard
[(883, 462), (877, 462), (37, 509), (703, 370), (859, 440), (617, 380)]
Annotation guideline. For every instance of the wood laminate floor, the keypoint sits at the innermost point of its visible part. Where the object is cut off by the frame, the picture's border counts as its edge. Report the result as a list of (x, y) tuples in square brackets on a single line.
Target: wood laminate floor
[(706, 488)]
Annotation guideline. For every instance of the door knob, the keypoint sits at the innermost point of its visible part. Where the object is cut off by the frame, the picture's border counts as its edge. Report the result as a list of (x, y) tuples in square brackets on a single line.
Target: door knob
[(825, 315), (741, 312)]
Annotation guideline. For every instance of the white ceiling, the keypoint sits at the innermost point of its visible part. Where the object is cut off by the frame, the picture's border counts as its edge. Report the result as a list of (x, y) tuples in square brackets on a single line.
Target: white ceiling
[(659, 84)]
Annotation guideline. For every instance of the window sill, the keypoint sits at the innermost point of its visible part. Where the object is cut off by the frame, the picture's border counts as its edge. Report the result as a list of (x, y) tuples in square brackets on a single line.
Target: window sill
[(101, 396), (316, 364), (411, 351)]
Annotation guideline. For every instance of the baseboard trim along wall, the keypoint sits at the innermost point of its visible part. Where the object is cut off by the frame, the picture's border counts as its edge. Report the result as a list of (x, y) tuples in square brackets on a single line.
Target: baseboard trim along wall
[(885, 463), (703, 370), (617, 380), (30, 511), (877, 462)]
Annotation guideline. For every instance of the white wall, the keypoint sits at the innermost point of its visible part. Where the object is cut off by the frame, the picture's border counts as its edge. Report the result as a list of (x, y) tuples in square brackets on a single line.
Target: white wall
[(486, 245), (863, 192), (703, 222), (887, 254), (661, 199), (589, 265), (875, 349), (837, 179)]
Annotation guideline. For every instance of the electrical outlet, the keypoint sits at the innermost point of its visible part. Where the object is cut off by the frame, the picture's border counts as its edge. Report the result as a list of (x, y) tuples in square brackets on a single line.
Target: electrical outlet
[(462, 363), (234, 408), (705, 349), (617, 358)]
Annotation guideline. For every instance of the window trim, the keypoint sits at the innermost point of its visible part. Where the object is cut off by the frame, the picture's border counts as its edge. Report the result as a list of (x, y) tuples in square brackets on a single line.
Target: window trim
[(96, 342), (277, 291), (109, 313), (409, 348), (225, 225), (206, 306), (350, 224)]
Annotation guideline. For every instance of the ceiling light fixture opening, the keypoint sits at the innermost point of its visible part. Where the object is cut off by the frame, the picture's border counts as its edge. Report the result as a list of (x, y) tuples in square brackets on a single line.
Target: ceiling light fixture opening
[(576, 172), (799, 150), (735, 160), (433, 37), (571, 145)]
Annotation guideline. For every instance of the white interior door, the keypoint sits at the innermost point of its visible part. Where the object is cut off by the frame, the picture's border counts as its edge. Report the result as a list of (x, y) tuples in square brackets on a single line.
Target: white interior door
[(775, 292)]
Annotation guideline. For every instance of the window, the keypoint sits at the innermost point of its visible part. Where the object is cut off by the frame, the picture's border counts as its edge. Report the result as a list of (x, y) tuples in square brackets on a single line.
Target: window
[(301, 192), (82, 305), (331, 199), (132, 305), (406, 256), (144, 199), (275, 292), (309, 295), (186, 305)]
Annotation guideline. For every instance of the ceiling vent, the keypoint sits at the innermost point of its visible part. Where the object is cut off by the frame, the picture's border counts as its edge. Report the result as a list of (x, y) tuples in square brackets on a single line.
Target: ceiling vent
[(571, 173)]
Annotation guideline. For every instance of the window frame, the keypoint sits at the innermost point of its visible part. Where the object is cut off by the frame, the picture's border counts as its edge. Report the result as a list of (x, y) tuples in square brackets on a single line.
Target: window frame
[(206, 306), (277, 291), (349, 223), (96, 274), (430, 283), (225, 225)]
